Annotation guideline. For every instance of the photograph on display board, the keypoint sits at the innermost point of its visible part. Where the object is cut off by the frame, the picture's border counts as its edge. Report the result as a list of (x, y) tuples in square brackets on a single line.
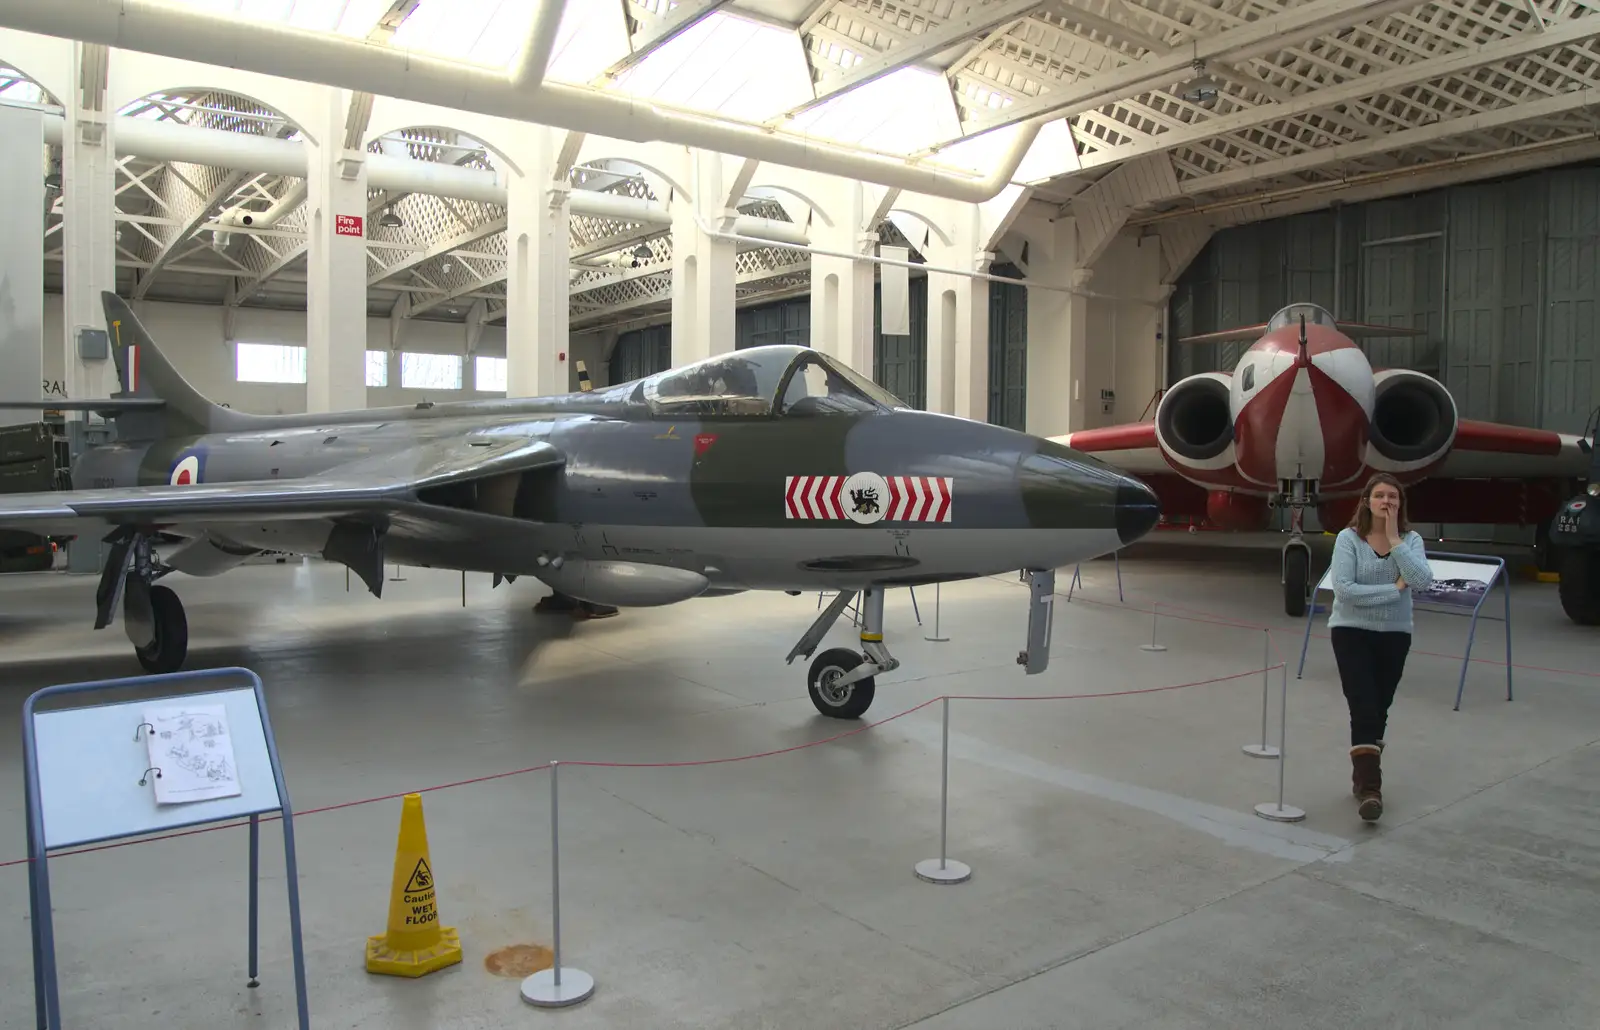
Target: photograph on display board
[(1456, 584)]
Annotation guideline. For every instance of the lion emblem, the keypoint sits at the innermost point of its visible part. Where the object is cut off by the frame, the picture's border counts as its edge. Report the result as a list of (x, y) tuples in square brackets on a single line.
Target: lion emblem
[(864, 501)]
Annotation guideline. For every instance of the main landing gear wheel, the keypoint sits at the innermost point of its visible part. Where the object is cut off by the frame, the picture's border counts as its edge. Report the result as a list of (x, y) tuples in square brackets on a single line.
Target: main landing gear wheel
[(850, 701), (1296, 580), (171, 644), (1580, 584)]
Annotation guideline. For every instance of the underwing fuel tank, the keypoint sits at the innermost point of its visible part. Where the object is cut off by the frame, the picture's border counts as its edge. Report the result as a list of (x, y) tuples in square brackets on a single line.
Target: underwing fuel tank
[(622, 584)]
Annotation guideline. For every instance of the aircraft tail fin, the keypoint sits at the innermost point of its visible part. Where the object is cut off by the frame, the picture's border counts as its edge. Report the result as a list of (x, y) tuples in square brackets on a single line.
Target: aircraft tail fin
[(146, 376)]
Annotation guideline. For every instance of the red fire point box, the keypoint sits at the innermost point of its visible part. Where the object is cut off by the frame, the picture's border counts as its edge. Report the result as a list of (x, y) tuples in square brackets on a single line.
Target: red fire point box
[(348, 225)]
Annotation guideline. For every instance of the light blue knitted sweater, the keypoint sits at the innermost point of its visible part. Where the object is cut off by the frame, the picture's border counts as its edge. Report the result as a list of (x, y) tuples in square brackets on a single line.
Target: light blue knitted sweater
[(1364, 591)]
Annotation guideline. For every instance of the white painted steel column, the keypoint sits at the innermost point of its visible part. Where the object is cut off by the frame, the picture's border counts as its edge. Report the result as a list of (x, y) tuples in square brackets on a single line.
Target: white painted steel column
[(841, 289), (537, 244), (336, 264), (1058, 335), (21, 261), (958, 323), (88, 234), (704, 269)]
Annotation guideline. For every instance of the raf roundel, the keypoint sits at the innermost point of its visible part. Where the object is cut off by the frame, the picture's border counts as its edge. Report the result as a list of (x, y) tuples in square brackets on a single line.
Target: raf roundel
[(186, 471)]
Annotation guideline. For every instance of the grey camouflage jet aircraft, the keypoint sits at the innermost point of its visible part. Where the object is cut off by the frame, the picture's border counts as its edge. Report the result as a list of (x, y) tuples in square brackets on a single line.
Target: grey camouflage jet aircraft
[(770, 468)]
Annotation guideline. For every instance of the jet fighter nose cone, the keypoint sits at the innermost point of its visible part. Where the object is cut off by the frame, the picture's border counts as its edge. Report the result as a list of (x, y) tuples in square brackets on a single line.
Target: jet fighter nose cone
[(1138, 510)]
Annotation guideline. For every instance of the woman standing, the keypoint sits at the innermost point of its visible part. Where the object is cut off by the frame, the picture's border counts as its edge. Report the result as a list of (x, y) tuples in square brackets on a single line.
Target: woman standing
[(1377, 559)]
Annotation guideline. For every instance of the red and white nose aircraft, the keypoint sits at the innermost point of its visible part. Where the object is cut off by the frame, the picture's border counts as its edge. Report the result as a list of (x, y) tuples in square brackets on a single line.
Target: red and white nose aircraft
[(1304, 420)]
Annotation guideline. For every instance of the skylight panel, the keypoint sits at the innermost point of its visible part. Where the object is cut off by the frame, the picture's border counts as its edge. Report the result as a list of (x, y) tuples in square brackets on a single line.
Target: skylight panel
[(899, 113), (361, 17), (451, 28), (1053, 153), (592, 36), (731, 65)]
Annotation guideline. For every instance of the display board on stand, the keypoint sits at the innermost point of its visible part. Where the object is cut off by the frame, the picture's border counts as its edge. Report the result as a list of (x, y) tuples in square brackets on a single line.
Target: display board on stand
[(1461, 584), (104, 772)]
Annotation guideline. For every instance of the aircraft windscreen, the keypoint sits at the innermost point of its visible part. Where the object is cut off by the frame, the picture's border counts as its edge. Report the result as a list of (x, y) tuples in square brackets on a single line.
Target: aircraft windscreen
[(741, 384), (823, 386), (1314, 314)]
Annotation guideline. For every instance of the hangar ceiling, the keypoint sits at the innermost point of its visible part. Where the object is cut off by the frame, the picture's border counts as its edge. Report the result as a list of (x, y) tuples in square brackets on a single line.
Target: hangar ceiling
[(1257, 100)]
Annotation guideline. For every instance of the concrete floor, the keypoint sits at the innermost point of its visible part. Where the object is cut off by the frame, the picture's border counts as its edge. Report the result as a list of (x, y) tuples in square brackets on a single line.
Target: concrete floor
[(1121, 878)]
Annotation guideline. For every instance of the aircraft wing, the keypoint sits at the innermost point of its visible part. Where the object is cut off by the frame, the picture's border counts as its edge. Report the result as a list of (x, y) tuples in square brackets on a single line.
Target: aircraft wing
[(1131, 448), (385, 484), (1490, 450)]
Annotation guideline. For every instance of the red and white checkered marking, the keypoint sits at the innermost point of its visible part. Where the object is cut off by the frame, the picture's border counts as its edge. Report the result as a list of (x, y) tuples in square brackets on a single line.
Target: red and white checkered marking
[(910, 498), (919, 498)]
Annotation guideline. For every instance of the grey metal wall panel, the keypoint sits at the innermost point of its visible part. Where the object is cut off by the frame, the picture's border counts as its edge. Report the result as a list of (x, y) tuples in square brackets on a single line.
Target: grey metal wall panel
[(781, 321), (1477, 254), (1568, 390), (1008, 351), (900, 363), (640, 352), (1522, 303)]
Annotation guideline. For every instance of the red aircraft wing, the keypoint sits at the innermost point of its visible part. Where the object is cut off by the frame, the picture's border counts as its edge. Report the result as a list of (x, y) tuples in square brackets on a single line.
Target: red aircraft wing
[(1490, 450), (1131, 447)]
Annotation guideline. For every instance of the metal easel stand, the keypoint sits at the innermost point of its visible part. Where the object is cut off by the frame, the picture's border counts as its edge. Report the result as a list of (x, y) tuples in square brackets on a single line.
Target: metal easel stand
[(1499, 574), (89, 770)]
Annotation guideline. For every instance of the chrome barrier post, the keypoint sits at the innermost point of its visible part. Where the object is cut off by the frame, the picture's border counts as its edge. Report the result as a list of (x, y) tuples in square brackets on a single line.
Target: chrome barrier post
[(1281, 813), (936, 638), (1155, 614), (556, 987), (944, 870), (1263, 749)]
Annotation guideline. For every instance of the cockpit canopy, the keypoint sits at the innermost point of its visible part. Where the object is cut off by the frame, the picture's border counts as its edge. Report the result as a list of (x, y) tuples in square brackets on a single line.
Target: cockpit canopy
[(762, 382), (1314, 314)]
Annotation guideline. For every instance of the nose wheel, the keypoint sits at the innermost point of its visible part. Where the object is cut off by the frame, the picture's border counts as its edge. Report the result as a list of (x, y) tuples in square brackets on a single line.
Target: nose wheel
[(833, 696)]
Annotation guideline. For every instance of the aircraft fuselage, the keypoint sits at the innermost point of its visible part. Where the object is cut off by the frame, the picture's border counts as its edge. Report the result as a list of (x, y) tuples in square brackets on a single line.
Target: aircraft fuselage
[(828, 501)]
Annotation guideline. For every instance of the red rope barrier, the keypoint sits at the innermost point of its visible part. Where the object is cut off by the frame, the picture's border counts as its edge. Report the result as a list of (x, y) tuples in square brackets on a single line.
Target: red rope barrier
[(1275, 631), (635, 765)]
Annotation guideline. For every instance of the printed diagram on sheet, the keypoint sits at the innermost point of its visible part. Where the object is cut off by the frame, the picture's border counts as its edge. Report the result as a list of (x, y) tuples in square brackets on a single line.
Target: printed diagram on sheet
[(193, 750)]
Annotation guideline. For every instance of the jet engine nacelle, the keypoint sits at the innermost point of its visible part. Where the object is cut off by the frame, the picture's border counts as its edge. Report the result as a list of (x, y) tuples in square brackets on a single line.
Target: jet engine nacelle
[(623, 584), (1414, 421), (1194, 423)]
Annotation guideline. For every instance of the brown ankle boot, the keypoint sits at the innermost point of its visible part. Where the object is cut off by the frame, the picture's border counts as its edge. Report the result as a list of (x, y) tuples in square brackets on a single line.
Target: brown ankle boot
[(1367, 780)]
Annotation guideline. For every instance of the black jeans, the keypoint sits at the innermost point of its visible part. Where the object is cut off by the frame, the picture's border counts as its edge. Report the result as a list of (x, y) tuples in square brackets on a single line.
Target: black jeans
[(1370, 666)]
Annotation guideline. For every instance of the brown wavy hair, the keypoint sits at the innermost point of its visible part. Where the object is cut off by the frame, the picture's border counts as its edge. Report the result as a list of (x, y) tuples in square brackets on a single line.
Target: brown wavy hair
[(1361, 519)]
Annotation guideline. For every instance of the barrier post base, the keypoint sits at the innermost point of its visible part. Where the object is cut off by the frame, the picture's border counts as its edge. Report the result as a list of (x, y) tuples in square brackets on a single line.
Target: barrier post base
[(948, 870), (1152, 647), (1280, 813), (1261, 750), (542, 990)]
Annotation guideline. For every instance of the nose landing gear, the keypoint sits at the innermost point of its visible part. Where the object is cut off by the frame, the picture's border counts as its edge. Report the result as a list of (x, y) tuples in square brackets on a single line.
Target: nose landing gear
[(840, 680), (1297, 495)]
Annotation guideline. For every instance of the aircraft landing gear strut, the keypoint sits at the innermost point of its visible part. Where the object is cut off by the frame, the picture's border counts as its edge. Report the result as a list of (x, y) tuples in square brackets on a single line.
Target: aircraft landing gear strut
[(840, 680), (1296, 552), (152, 615)]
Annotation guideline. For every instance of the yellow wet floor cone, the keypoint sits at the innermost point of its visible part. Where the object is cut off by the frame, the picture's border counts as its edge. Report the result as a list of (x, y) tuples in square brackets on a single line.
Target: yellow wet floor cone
[(415, 943)]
